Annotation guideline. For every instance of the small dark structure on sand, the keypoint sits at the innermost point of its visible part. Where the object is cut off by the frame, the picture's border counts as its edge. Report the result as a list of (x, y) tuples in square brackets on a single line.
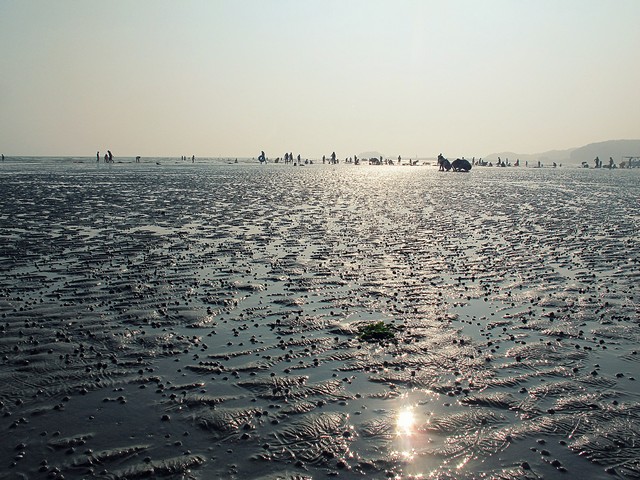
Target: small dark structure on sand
[(461, 165), (443, 164), (458, 165)]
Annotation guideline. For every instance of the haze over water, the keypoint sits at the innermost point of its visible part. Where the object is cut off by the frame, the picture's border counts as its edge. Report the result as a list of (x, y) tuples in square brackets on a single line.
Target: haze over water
[(227, 79)]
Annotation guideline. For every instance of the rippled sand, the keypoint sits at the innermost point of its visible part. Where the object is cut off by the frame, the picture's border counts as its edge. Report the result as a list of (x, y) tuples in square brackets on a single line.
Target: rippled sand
[(201, 321)]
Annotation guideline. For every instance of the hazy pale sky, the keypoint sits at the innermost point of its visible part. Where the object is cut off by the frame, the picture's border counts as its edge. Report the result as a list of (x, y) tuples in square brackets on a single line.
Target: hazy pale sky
[(231, 78)]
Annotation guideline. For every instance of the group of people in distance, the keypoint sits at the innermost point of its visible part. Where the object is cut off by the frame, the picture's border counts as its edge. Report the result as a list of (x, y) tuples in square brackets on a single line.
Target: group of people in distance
[(108, 157), (598, 163), (333, 160), (289, 158)]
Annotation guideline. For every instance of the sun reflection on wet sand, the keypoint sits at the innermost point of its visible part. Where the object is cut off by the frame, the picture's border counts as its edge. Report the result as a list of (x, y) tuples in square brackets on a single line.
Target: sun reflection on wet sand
[(406, 427), (405, 422), (411, 442)]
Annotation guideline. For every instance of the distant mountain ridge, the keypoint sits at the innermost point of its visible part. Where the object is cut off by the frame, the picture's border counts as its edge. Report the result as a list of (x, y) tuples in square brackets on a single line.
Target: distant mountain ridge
[(617, 149)]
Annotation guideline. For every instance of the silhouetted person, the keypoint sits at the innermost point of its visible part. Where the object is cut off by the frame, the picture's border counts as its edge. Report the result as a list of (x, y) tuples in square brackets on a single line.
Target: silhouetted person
[(97, 156), (110, 156)]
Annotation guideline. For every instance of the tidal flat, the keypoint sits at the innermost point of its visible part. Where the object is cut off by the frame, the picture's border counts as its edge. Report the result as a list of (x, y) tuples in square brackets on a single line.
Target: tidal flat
[(206, 321)]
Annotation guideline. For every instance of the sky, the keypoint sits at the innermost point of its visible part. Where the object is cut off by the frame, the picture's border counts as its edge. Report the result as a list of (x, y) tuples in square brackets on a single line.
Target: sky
[(218, 78)]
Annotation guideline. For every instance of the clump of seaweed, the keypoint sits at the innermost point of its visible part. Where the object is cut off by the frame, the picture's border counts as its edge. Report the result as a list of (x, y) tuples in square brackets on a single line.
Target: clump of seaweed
[(374, 332)]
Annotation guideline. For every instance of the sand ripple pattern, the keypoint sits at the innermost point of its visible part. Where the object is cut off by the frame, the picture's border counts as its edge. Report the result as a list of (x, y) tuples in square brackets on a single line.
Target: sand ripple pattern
[(202, 321)]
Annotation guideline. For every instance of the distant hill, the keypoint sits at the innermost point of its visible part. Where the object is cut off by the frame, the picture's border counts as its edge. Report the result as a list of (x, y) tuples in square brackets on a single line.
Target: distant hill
[(558, 156), (617, 149), (611, 148)]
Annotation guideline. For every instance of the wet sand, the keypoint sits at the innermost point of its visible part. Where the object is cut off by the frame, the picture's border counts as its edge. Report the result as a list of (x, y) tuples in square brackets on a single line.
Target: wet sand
[(202, 321)]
